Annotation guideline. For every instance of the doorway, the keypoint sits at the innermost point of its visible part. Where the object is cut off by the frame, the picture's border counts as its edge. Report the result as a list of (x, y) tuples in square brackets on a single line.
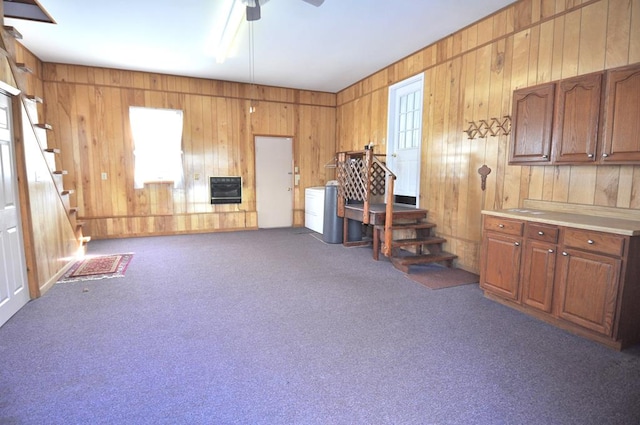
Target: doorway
[(14, 293), (405, 138), (274, 181)]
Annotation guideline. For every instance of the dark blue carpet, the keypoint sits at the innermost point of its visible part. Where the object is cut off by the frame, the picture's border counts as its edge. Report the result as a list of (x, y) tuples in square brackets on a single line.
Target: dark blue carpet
[(276, 327)]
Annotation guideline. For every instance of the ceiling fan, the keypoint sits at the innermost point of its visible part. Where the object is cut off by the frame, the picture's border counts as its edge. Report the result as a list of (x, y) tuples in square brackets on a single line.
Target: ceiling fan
[(253, 7)]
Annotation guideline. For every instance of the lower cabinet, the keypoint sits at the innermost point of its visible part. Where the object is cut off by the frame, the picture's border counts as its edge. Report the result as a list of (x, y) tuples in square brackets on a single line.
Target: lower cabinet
[(588, 289), (537, 275), (581, 280), (503, 277), (588, 279)]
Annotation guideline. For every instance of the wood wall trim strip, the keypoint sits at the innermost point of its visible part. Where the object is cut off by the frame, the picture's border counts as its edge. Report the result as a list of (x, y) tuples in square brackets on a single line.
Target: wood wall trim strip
[(165, 83)]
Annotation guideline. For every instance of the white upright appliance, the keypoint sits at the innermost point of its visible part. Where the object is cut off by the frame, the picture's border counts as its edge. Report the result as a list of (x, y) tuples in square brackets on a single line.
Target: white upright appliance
[(314, 208)]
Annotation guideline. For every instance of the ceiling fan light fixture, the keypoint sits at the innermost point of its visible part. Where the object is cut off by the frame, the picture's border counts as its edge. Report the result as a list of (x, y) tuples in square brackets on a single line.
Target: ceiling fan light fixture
[(231, 27), (253, 12)]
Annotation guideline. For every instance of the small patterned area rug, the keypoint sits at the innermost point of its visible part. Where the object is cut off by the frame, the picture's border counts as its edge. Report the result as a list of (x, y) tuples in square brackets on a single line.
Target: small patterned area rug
[(438, 277), (100, 267)]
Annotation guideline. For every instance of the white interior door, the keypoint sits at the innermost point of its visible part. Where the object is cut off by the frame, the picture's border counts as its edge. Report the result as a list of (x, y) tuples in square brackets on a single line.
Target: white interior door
[(14, 292), (274, 181), (405, 135)]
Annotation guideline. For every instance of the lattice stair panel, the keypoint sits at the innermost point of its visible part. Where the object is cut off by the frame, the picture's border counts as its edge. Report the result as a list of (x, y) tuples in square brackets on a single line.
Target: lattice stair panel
[(351, 177), (378, 179)]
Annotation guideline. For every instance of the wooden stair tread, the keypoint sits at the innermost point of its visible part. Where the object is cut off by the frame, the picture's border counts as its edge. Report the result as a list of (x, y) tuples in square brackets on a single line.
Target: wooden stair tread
[(411, 214), (428, 240), (409, 226), (403, 263), (424, 258), (61, 172), (67, 192), (52, 150)]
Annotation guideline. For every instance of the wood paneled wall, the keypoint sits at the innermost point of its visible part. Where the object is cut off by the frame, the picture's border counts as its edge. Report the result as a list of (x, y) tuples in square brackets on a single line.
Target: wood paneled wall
[(89, 109), (470, 76)]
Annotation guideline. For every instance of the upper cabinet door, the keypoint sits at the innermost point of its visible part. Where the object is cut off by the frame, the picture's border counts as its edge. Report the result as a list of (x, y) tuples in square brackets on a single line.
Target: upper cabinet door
[(621, 129), (532, 125), (577, 114)]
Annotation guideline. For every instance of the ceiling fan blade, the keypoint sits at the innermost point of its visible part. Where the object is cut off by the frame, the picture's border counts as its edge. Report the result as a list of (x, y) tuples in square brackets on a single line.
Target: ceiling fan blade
[(253, 13), (316, 3)]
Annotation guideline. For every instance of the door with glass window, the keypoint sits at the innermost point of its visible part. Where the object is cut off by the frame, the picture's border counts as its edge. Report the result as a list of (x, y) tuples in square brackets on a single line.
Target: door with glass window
[(405, 138)]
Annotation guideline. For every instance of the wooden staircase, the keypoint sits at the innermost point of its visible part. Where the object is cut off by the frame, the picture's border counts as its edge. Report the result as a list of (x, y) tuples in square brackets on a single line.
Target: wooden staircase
[(33, 108), (412, 243), (52, 160), (400, 232)]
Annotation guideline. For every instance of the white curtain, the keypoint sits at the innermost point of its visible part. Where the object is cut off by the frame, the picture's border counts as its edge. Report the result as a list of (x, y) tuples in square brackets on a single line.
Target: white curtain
[(157, 138)]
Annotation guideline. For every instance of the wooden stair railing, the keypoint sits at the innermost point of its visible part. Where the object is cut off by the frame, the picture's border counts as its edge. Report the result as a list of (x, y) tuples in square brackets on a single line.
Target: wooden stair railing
[(363, 177), (388, 217)]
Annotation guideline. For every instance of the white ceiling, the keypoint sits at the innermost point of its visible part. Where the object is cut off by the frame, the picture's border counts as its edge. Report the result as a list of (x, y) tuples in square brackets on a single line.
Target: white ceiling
[(296, 45)]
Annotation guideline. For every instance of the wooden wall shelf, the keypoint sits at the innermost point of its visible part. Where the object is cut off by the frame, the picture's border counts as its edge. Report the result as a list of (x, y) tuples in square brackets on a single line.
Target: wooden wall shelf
[(24, 68), (13, 32), (34, 98)]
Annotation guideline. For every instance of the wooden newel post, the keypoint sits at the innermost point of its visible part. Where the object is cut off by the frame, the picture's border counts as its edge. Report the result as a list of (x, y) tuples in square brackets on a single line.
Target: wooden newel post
[(368, 164), (342, 158), (388, 219)]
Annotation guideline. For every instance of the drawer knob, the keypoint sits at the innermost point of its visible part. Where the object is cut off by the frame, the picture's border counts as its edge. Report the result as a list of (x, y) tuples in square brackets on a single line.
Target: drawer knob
[(605, 155), (550, 251), (565, 253), (517, 244), (590, 155), (545, 156), (541, 233), (501, 226), (590, 242)]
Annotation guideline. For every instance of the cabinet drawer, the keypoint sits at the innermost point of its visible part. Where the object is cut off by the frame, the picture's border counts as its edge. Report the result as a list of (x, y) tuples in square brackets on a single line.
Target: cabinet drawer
[(604, 243), (503, 225), (541, 232)]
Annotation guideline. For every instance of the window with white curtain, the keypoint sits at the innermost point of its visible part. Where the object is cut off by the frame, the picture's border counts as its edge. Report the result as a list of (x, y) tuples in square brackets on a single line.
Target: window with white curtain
[(157, 141)]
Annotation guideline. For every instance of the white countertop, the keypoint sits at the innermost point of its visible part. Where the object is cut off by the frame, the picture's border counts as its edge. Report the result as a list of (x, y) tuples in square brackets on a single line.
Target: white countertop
[(579, 221)]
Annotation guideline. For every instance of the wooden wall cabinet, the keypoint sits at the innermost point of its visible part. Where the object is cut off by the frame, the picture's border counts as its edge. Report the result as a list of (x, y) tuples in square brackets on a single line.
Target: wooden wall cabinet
[(621, 127), (532, 120), (585, 281), (576, 119), (589, 119)]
